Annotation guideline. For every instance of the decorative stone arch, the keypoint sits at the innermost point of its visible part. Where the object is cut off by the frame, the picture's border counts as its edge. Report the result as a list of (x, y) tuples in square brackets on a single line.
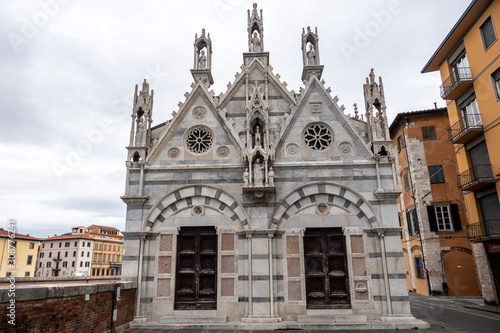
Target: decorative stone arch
[(182, 198), (339, 195), (416, 248)]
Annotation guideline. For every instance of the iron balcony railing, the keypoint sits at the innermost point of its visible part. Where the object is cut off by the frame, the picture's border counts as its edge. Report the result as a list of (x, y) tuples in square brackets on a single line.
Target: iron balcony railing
[(464, 125), (484, 230), (481, 173), (458, 75)]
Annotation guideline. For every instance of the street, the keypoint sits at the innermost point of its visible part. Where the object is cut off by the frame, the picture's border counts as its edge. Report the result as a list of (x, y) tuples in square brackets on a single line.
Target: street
[(445, 314)]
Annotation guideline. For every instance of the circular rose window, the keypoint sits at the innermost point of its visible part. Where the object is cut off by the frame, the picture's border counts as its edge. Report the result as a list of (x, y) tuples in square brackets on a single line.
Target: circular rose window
[(318, 137), (199, 139)]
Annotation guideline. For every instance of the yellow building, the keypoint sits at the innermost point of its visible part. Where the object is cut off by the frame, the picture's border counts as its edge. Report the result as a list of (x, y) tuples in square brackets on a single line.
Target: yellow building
[(108, 250), (23, 249), (469, 62)]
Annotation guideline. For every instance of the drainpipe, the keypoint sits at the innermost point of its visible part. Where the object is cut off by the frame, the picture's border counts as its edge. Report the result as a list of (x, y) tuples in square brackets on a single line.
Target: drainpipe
[(381, 238), (139, 276)]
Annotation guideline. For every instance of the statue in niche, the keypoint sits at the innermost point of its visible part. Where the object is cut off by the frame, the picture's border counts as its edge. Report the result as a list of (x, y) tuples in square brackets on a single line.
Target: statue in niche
[(378, 127), (202, 62), (256, 43), (245, 177), (140, 131), (258, 173), (257, 138), (311, 56), (271, 176), (372, 76)]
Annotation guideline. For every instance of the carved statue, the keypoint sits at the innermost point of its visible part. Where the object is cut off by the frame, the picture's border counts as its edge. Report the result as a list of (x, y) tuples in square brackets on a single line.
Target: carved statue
[(256, 43), (258, 173), (372, 76), (311, 56), (202, 62), (271, 176), (140, 131), (257, 138), (245, 178)]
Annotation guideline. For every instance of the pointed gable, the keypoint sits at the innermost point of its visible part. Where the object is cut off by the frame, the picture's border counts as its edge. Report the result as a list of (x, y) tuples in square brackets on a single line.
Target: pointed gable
[(318, 128)]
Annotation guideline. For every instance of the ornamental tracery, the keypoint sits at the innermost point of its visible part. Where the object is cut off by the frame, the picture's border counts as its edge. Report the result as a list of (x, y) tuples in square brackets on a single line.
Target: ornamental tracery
[(199, 139), (318, 136)]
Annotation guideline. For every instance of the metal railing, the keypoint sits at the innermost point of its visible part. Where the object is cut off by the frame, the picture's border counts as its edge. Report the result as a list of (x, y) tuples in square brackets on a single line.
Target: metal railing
[(465, 123), (458, 75), (476, 174), (484, 230)]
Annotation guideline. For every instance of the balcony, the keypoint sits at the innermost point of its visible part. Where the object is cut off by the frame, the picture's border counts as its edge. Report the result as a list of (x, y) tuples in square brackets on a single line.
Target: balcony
[(484, 230), (476, 178), (457, 83), (466, 129)]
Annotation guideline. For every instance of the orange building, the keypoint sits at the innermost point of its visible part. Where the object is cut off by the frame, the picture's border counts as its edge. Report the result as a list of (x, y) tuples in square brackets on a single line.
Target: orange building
[(108, 250), (438, 256), (469, 62)]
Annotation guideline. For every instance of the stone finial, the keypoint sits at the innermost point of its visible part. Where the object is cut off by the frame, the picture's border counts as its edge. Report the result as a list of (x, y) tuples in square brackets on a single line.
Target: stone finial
[(255, 30)]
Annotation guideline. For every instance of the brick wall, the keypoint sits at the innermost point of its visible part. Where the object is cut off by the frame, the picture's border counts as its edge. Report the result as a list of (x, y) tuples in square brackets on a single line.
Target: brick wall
[(64, 308)]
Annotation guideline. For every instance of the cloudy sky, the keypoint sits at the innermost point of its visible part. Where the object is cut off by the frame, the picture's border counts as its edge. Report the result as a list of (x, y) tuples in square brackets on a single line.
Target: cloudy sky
[(68, 70)]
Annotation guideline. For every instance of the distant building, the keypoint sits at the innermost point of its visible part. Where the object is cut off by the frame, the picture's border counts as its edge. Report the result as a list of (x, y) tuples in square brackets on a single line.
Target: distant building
[(68, 254), (24, 248), (108, 250), (469, 62), (438, 256)]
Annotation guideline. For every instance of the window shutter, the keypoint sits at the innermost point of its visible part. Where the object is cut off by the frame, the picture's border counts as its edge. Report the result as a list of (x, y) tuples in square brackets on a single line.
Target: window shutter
[(431, 212), (455, 216), (408, 222), (415, 222)]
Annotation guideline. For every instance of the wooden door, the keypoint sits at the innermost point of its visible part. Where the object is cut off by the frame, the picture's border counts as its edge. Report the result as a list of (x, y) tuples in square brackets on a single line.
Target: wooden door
[(327, 281), (196, 271)]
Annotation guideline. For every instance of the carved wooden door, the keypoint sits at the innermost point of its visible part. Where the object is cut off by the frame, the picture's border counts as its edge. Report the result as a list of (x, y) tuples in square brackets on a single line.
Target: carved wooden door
[(196, 271), (327, 281)]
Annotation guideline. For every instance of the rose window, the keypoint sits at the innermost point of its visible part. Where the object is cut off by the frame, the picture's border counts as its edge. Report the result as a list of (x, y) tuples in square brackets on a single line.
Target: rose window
[(318, 137), (199, 139)]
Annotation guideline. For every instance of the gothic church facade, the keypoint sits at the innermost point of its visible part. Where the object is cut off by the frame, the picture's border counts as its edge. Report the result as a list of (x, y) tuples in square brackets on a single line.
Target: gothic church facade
[(262, 205)]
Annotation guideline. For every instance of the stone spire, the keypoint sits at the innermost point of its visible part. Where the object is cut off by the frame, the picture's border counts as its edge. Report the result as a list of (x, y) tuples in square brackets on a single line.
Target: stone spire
[(310, 54), (376, 116), (255, 30), (142, 117), (202, 68)]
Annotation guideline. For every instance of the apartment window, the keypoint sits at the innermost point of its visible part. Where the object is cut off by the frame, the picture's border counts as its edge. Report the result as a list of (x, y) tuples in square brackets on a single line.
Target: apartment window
[(114, 257), (48, 264), (74, 253), (81, 263), (42, 254), (66, 244), (73, 264), (100, 257), (411, 220), (100, 246), (87, 264), (83, 254), (95, 256), (105, 247), (470, 113), (114, 248), (65, 264), (419, 267), (406, 181), (60, 244), (7, 274), (76, 244), (30, 259), (400, 143), (26, 274), (428, 133), (65, 254), (32, 245), (495, 76), (43, 246), (51, 245), (88, 254), (50, 254), (40, 265), (444, 217), (488, 33), (109, 257), (436, 174), (96, 246), (104, 258)]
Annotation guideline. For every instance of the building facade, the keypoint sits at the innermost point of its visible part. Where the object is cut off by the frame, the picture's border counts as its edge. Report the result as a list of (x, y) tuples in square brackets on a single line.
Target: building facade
[(18, 254), (108, 250), (469, 62), (438, 255), (66, 255), (263, 205)]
